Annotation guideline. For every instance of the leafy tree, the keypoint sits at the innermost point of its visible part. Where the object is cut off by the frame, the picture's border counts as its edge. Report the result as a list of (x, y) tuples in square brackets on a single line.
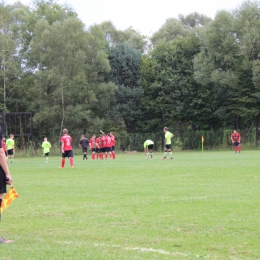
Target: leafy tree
[(170, 93), (125, 73), (194, 20), (129, 37), (10, 63), (170, 30)]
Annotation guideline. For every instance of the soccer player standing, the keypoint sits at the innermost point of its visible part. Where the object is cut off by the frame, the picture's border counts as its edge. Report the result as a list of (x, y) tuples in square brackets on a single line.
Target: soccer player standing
[(66, 148), (98, 147), (46, 149), (113, 144), (84, 142), (168, 137), (10, 147), (235, 138), (92, 144), (148, 148)]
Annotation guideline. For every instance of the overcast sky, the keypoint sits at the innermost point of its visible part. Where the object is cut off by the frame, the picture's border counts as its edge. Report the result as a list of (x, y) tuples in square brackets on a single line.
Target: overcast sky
[(145, 16)]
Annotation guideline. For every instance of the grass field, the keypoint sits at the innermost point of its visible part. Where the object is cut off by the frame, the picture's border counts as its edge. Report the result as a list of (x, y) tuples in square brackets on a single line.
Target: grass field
[(197, 206)]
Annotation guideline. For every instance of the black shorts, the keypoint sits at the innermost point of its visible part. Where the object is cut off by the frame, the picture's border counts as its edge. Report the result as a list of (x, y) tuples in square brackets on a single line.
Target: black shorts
[(150, 147), (104, 149), (168, 146), (236, 144), (98, 150), (113, 148), (109, 149), (93, 150), (10, 152), (68, 154), (46, 154), (2, 181), (84, 149)]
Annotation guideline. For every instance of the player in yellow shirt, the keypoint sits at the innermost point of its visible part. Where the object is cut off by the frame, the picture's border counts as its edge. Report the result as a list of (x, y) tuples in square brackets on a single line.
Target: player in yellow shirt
[(148, 148), (168, 142), (10, 147), (46, 149)]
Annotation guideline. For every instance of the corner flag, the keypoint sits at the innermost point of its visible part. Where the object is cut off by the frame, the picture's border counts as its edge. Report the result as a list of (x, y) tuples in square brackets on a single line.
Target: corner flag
[(8, 199)]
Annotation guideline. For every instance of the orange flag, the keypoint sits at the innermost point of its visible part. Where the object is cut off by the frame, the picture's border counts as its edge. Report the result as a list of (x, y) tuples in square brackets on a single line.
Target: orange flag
[(9, 197)]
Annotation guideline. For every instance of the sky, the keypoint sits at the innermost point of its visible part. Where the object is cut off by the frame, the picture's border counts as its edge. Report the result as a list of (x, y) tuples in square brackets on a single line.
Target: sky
[(145, 16)]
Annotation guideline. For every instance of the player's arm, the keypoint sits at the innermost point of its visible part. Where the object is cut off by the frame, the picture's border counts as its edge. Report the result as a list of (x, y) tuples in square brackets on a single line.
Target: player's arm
[(101, 132), (62, 146), (4, 166)]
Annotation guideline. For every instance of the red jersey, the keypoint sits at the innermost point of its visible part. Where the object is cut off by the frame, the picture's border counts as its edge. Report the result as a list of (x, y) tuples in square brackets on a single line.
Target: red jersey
[(67, 142), (98, 145), (109, 141), (92, 142), (104, 141), (113, 141), (235, 137), (4, 145)]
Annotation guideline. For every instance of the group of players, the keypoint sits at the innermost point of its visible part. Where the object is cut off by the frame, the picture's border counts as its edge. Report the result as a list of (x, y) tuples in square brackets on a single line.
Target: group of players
[(101, 146)]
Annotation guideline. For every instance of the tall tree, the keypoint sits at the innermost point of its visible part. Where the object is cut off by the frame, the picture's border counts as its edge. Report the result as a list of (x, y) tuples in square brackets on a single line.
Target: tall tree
[(125, 73)]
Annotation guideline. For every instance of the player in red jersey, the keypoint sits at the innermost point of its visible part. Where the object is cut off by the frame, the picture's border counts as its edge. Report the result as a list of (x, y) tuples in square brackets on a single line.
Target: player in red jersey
[(235, 138), (66, 148), (109, 146), (92, 145), (98, 147), (104, 145), (113, 144)]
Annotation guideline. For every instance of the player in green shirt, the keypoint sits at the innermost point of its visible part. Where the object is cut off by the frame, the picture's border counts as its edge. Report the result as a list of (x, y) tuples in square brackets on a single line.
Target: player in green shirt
[(10, 147), (148, 148), (168, 137), (46, 149)]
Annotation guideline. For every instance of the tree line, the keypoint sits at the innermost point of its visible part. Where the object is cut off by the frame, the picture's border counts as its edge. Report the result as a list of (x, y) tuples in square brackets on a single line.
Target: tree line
[(194, 75)]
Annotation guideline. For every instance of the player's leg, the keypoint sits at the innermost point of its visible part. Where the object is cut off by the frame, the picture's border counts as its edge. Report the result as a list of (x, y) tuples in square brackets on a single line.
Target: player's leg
[(113, 152), (63, 156), (70, 155), (46, 157), (239, 148), (165, 152)]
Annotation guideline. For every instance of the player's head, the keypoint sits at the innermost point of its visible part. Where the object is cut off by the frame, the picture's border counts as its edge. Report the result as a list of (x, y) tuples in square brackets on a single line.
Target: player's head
[(235, 131), (108, 134), (82, 136), (65, 131), (11, 136), (3, 137), (45, 139), (94, 136), (165, 129), (111, 133)]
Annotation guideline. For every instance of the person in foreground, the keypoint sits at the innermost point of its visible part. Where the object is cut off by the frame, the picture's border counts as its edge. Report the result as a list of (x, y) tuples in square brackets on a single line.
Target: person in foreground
[(5, 178), (148, 148), (66, 149), (168, 137), (235, 138)]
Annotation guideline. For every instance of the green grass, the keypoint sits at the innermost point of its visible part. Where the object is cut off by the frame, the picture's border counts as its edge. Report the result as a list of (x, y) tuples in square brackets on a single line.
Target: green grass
[(197, 206)]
